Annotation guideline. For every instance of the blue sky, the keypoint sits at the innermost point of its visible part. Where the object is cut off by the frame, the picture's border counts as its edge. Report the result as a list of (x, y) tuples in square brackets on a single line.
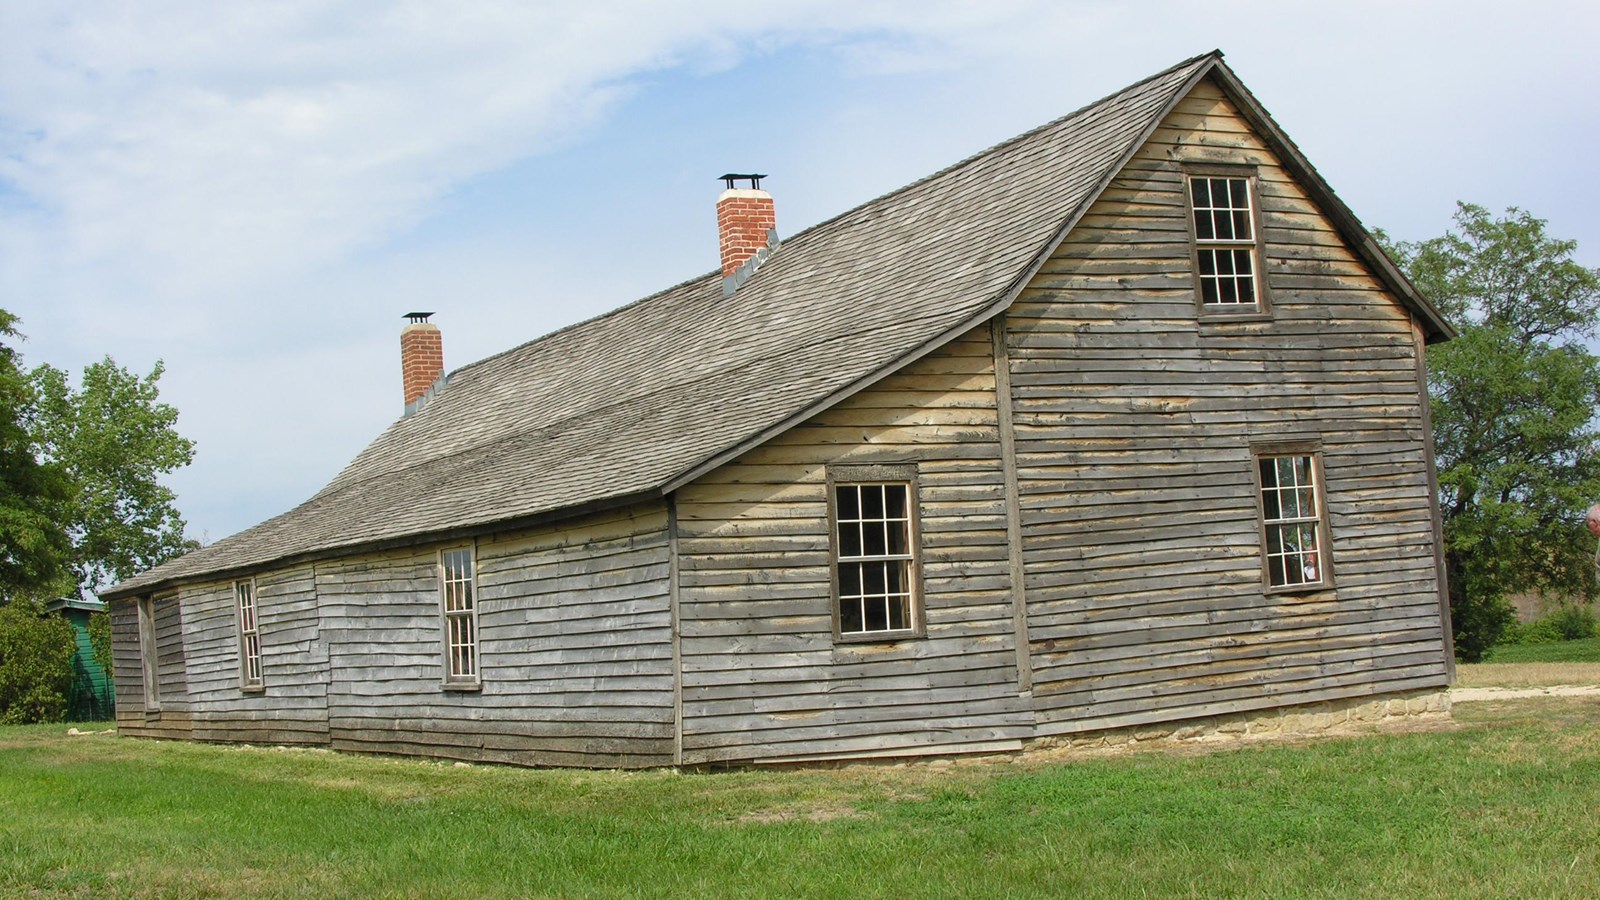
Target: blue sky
[(254, 193)]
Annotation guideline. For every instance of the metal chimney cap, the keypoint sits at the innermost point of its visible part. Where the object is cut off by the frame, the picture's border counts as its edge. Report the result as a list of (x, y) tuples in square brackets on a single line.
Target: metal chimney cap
[(417, 318), (731, 177)]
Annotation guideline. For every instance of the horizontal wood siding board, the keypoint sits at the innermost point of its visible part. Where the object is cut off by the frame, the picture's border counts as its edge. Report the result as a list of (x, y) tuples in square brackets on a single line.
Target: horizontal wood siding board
[(763, 677), (1134, 419)]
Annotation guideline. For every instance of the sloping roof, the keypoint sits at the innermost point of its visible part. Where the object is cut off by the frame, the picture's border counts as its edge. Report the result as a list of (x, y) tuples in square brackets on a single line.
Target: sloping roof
[(636, 402)]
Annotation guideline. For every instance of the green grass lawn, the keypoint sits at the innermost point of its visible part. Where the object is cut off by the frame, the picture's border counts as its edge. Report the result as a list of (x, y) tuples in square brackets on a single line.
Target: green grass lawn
[(1586, 650), (1501, 805)]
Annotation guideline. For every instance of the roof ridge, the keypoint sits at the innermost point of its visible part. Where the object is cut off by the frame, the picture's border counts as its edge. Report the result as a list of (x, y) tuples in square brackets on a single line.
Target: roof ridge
[(968, 160), (1014, 139)]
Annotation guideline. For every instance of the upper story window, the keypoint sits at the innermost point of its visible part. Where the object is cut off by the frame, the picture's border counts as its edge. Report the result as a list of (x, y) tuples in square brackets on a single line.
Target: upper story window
[(458, 600), (1293, 520), (876, 575), (244, 597), (1227, 247)]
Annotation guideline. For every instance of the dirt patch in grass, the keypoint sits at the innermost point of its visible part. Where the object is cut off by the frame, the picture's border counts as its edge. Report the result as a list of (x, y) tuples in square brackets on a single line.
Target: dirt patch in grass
[(823, 812)]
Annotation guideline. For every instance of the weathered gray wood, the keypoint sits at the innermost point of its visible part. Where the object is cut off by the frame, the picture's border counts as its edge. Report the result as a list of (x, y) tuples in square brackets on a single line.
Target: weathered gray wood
[(756, 618), (1008, 461), (1133, 422), (1435, 513)]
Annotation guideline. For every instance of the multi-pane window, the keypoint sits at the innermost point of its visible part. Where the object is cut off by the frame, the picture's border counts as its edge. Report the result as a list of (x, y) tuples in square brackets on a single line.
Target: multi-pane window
[(1225, 241), (1292, 520), (244, 596), (459, 600), (875, 548)]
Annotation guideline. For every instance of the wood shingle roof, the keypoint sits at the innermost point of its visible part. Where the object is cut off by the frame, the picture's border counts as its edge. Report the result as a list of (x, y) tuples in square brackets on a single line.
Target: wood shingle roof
[(635, 402)]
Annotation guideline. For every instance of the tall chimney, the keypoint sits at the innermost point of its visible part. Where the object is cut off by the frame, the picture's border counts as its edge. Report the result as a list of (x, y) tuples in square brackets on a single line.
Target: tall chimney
[(747, 226), (421, 357)]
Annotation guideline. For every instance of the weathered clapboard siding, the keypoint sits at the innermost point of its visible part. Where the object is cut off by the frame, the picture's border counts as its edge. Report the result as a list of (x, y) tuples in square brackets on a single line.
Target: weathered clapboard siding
[(172, 719), (1141, 545), (291, 707), (763, 678), (574, 644)]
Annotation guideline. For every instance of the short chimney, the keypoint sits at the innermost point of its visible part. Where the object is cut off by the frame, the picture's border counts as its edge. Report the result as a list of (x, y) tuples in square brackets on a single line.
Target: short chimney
[(421, 358), (747, 228)]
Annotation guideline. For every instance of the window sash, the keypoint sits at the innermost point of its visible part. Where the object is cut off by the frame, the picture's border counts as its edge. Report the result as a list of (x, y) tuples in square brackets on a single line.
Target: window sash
[(244, 594), (874, 557), (1222, 218), (458, 606), (1293, 531)]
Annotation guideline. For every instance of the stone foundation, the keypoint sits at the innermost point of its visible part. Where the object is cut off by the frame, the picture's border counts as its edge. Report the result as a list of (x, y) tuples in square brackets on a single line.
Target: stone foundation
[(1354, 716)]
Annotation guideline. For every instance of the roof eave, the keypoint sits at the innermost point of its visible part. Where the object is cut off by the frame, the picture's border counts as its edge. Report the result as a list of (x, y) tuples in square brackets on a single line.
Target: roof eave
[(1435, 328), (437, 536)]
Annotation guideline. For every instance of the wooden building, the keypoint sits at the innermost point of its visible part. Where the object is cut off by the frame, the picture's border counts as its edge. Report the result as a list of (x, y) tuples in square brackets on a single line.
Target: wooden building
[(1122, 421)]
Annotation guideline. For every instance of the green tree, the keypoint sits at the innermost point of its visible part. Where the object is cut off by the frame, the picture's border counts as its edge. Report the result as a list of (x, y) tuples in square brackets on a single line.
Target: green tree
[(114, 439), (33, 546), (35, 663), (1514, 399)]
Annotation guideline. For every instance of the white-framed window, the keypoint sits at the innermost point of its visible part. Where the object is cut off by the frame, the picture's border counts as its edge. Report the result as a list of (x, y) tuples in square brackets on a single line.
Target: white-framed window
[(149, 654), (876, 572), (1223, 212), (244, 601), (458, 602), (1294, 528)]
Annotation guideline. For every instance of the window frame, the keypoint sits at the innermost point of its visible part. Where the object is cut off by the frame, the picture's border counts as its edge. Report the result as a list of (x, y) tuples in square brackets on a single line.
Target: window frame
[(902, 474), (451, 681), (149, 654), (247, 632), (1262, 308), (1311, 449)]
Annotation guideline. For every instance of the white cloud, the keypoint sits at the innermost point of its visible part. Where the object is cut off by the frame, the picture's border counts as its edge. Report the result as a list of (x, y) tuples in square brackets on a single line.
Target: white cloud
[(196, 147), (245, 189)]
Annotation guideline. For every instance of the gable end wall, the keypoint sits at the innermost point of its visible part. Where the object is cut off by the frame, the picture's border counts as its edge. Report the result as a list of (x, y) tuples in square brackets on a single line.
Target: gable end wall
[(1133, 427)]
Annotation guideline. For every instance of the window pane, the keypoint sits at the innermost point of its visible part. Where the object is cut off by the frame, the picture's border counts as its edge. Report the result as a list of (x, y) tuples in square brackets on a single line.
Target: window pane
[(849, 499), (873, 578), (1223, 224), (850, 617), (1224, 262), (1270, 507), (1285, 466), (1200, 192), (899, 612), (1269, 473), (877, 614), (896, 572), (1241, 225), (1208, 262), (899, 538), (872, 501), (850, 579), (1227, 291), (1208, 290), (873, 540), (849, 539), (1275, 570), (1240, 189), (895, 500), (1274, 539)]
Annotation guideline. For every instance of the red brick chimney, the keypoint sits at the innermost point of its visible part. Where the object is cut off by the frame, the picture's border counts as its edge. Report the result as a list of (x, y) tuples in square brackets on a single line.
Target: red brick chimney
[(747, 226), (421, 358)]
